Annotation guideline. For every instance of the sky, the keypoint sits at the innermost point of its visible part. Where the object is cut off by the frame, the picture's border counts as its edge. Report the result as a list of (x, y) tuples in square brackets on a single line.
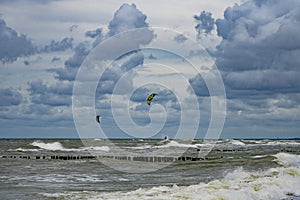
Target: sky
[(221, 69)]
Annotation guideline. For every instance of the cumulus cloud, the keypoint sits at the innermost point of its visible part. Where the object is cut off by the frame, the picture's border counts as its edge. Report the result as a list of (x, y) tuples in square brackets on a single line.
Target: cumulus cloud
[(258, 60), (13, 45), (205, 23), (72, 64), (10, 97), (126, 18), (64, 44), (95, 34), (260, 45)]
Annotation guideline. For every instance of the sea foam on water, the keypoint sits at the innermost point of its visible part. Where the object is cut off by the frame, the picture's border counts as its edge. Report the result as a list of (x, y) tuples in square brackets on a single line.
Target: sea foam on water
[(272, 184)]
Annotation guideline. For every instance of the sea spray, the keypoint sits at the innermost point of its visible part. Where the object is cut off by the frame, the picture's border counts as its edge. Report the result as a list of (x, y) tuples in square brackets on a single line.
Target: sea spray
[(57, 146)]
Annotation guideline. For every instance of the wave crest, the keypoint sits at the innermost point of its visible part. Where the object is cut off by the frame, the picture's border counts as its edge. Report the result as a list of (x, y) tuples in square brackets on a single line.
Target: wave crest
[(287, 159)]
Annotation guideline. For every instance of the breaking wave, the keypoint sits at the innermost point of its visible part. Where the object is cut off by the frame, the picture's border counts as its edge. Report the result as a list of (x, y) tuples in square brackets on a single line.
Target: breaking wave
[(52, 146), (287, 159), (272, 184), (57, 146)]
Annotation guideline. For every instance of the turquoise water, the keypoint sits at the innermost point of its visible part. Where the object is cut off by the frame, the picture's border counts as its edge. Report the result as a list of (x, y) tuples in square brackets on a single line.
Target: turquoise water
[(225, 169)]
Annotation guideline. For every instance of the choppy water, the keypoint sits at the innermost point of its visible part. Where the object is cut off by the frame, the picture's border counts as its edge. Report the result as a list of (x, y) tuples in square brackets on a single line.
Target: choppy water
[(233, 169)]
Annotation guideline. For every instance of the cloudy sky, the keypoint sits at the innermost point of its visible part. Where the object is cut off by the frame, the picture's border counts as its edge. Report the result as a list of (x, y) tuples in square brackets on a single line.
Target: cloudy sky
[(48, 47)]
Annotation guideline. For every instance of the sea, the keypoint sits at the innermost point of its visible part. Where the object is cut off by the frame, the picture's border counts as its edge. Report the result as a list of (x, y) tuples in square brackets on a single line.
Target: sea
[(248, 169)]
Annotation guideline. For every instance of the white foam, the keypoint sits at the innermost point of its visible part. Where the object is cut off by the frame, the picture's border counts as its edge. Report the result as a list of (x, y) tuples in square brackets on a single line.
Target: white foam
[(287, 159), (56, 146), (237, 142), (283, 142), (177, 144), (53, 146), (140, 147), (275, 183), (22, 150), (97, 148), (259, 156)]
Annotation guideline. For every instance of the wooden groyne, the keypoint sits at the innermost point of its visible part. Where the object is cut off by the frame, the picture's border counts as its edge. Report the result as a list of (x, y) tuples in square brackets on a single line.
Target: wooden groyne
[(129, 158)]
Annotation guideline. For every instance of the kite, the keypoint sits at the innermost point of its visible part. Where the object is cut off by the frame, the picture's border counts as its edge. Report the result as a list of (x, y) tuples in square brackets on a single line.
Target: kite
[(98, 119), (150, 97)]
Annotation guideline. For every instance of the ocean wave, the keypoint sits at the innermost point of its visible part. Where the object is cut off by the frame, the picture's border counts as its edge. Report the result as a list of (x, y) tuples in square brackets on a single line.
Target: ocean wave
[(57, 146), (166, 144), (259, 156), (177, 144), (96, 148), (237, 142), (287, 159), (52, 146), (23, 150), (272, 184), (140, 147), (283, 142)]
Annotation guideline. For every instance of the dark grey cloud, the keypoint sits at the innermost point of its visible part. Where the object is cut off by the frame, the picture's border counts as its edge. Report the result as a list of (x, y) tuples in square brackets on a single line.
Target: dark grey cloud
[(54, 59), (260, 37), (260, 80), (73, 27), (26, 62), (199, 86), (58, 94), (13, 45), (205, 23), (10, 97), (94, 33), (73, 63), (180, 38), (259, 49), (135, 60), (258, 60), (97, 35), (113, 74), (127, 17), (260, 45), (64, 44), (152, 57)]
